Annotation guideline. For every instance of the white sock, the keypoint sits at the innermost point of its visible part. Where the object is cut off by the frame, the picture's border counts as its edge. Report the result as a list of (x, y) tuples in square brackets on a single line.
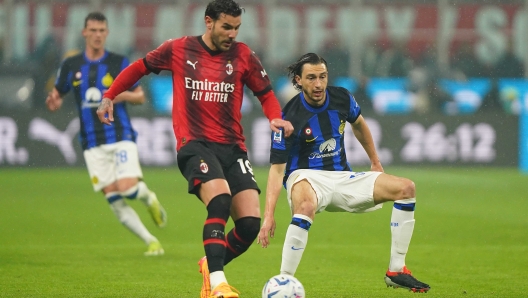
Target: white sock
[(139, 191), (402, 226), (129, 218), (217, 278), (295, 243)]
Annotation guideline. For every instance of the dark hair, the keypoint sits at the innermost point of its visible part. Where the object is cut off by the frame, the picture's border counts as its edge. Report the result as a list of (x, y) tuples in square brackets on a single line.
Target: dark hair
[(295, 69), (95, 16), (217, 7)]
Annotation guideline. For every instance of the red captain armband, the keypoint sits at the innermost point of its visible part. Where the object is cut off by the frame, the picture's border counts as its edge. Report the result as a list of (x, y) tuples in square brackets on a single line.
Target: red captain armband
[(270, 105), (127, 78)]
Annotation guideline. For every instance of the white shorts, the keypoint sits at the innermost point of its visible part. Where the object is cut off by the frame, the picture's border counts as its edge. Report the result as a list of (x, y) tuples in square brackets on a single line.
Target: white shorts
[(111, 162), (338, 191)]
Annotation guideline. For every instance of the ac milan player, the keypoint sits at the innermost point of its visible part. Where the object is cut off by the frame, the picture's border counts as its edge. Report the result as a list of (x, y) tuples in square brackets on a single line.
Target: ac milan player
[(208, 74)]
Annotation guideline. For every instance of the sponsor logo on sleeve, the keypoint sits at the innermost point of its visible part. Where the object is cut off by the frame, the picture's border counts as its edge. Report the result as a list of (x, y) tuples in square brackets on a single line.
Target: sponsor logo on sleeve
[(277, 136)]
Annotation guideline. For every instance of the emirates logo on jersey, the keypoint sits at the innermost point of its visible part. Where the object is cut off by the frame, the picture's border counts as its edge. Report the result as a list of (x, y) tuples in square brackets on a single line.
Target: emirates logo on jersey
[(209, 91), (229, 66), (207, 85)]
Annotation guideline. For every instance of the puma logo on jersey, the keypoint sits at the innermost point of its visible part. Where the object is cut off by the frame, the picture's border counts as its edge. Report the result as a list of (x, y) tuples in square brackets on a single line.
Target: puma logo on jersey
[(192, 64), (263, 73)]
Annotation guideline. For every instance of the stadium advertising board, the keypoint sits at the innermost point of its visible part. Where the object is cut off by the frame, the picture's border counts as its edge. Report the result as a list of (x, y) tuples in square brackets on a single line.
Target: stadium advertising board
[(144, 26), (48, 140)]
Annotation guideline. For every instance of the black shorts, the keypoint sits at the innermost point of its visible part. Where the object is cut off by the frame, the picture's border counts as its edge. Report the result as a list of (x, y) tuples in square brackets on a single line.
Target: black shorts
[(200, 161)]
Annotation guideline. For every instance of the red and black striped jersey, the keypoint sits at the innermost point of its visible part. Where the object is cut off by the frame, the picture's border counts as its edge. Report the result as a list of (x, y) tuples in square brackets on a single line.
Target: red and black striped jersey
[(208, 87)]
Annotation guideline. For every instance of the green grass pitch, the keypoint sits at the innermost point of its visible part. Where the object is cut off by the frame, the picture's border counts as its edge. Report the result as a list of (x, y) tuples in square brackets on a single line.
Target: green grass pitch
[(59, 239)]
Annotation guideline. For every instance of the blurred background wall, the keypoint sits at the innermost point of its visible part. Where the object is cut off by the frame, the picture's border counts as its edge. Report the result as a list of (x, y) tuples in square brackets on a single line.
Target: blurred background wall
[(441, 82)]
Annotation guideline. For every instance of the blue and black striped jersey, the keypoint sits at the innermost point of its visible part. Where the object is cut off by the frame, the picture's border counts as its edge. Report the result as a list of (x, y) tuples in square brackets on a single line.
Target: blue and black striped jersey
[(89, 80), (317, 141)]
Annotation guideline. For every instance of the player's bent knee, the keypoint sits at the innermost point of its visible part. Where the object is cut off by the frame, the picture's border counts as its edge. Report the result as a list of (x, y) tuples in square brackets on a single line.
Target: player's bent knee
[(305, 206), (248, 228), (304, 199), (408, 190), (407, 195), (110, 188), (126, 184)]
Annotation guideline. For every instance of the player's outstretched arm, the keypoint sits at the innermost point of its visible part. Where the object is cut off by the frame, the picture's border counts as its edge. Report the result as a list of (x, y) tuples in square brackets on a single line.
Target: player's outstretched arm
[(124, 81), (273, 189), (54, 100), (272, 110), (106, 108), (363, 135)]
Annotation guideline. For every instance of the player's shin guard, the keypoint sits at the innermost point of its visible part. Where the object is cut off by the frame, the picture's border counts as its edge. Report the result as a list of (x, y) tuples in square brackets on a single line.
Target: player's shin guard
[(402, 227), (128, 217), (213, 232), (295, 243), (240, 238), (139, 191)]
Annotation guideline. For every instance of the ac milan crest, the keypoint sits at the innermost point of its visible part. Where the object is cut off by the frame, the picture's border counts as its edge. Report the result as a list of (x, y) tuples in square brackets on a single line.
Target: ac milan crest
[(229, 68), (204, 167)]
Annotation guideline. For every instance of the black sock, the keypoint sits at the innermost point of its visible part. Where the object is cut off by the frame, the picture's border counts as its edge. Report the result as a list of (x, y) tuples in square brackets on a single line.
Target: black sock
[(213, 232), (240, 238)]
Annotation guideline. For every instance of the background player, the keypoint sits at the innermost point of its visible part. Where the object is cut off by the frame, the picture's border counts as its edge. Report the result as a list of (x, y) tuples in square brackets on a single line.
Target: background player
[(110, 152), (313, 165), (209, 73)]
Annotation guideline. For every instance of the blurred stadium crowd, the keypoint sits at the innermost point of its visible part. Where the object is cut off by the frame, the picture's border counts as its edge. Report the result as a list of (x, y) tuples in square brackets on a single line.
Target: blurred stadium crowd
[(421, 72)]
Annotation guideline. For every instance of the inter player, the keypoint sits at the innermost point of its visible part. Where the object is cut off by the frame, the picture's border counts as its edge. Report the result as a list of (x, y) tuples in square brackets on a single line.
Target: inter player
[(208, 74), (313, 166), (110, 152)]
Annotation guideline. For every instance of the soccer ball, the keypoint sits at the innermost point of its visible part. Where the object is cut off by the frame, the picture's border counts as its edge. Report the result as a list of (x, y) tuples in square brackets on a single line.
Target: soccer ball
[(283, 286)]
